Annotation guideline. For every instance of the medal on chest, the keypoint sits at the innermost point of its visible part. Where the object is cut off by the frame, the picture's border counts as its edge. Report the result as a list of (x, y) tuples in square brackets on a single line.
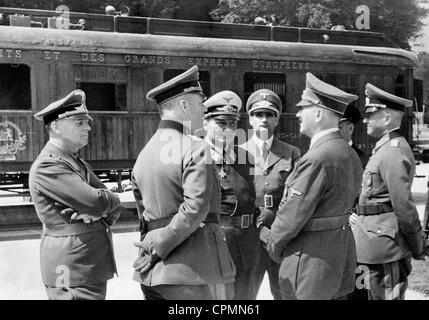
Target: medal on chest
[(222, 173)]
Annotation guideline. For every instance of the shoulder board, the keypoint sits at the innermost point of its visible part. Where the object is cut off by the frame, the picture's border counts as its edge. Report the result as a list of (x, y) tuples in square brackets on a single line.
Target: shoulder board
[(394, 143), (194, 138), (52, 155)]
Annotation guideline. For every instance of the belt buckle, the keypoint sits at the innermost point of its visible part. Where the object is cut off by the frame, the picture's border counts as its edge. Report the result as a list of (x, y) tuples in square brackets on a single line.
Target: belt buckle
[(245, 221), (268, 201)]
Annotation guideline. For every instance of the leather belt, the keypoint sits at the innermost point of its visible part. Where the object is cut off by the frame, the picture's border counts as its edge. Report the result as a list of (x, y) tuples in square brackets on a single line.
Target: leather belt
[(244, 221), (160, 223), (70, 229), (374, 209), (326, 223)]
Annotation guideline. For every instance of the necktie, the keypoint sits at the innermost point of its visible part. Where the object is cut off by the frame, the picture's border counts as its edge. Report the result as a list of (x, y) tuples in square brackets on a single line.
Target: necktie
[(265, 151)]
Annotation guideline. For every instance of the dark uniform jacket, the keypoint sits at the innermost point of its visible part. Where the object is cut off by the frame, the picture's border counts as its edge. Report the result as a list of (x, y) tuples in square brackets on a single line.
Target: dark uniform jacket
[(396, 231), (310, 235), (174, 178), (237, 216), (270, 180), (84, 250), (362, 155)]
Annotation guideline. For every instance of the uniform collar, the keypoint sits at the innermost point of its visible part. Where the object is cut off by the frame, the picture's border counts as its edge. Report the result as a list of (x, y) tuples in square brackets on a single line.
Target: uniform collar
[(320, 134), (389, 135), (217, 154), (171, 124)]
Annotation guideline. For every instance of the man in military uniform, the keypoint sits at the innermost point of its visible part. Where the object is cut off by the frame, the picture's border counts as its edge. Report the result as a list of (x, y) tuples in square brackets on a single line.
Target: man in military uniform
[(76, 209), (183, 254), (387, 228), (310, 235), (274, 161), (347, 126), (233, 168)]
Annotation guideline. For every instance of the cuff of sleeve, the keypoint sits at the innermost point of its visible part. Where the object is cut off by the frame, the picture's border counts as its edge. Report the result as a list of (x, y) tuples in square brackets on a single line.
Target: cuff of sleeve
[(275, 252), (415, 242)]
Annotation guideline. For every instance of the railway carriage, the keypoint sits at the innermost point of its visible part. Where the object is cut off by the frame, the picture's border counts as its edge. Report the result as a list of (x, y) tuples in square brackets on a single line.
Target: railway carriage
[(116, 60)]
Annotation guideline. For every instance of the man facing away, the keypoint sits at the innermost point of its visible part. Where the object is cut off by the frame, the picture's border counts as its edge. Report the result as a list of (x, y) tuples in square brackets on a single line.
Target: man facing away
[(76, 250), (183, 254), (310, 236), (347, 126), (274, 161), (387, 228)]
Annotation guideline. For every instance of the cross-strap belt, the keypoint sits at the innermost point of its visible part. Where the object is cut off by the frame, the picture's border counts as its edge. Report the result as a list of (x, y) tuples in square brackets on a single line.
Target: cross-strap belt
[(374, 209), (326, 223), (70, 229), (160, 223)]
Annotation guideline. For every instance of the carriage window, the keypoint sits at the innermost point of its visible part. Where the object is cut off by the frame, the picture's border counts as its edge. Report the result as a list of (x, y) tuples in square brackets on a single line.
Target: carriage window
[(203, 78), (104, 96), (15, 89), (272, 81)]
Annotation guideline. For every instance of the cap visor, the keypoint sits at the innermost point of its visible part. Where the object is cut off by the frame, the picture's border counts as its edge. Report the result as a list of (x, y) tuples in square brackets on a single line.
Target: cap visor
[(264, 108), (223, 115), (304, 103)]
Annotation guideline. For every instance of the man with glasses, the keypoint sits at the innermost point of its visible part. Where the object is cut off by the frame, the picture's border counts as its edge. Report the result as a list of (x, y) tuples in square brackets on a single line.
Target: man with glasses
[(76, 209), (310, 236), (387, 228), (274, 161)]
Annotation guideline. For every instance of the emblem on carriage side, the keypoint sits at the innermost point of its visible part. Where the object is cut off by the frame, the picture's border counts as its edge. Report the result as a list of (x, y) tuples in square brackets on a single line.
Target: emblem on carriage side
[(11, 140)]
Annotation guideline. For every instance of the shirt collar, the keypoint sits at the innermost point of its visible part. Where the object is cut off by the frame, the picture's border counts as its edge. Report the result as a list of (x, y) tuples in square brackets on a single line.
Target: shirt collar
[(320, 134), (259, 142)]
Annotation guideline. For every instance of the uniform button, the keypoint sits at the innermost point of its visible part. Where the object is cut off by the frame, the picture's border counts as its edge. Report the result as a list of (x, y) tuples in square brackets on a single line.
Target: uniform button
[(379, 231), (265, 172), (266, 183)]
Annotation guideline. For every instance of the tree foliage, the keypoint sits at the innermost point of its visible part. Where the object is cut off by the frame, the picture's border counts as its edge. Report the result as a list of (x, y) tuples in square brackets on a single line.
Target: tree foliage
[(400, 19)]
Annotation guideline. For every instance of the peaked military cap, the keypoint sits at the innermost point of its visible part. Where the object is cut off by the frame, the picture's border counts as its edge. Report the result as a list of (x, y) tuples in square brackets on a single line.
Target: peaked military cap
[(224, 103), (352, 114), (71, 105), (183, 83), (324, 95), (264, 99), (377, 99)]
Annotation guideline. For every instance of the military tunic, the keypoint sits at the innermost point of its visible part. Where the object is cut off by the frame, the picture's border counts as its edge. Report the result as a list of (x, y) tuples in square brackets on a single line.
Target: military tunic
[(395, 232), (237, 217), (175, 181), (84, 252), (269, 181), (310, 235)]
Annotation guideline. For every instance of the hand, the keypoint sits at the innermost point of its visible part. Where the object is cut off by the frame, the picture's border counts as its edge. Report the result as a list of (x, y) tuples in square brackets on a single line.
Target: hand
[(146, 260), (353, 219), (421, 257), (75, 215)]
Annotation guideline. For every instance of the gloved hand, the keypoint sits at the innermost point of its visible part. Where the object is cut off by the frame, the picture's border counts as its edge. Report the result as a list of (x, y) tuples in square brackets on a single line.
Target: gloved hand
[(146, 260), (265, 218)]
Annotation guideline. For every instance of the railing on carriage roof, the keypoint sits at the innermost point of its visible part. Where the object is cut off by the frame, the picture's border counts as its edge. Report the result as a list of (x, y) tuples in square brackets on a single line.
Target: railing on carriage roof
[(157, 26)]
